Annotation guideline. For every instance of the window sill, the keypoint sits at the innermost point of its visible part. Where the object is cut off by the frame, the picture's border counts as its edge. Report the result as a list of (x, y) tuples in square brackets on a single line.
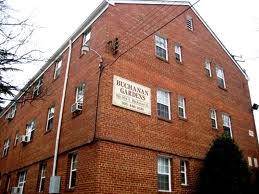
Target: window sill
[(225, 89), (159, 191), (164, 119), (183, 119), (70, 190), (46, 132), (162, 59), (184, 185), (179, 62)]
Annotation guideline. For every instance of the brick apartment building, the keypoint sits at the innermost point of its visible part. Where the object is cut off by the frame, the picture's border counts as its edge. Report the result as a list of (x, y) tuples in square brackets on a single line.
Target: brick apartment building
[(134, 114)]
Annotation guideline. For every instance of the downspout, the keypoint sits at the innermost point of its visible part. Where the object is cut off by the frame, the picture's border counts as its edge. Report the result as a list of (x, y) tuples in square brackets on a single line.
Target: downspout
[(54, 183)]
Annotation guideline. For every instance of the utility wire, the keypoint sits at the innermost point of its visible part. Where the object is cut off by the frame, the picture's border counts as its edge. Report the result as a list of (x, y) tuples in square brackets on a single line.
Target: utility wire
[(153, 33)]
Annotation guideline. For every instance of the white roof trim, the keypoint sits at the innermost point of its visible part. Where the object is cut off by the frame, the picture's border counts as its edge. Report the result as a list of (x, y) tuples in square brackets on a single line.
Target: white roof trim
[(149, 2)]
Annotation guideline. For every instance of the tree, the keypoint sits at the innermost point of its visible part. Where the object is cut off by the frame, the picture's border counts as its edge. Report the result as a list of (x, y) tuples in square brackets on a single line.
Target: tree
[(15, 35), (225, 170)]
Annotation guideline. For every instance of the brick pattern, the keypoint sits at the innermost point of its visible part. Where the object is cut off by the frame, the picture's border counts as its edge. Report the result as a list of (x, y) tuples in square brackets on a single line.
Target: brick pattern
[(124, 160)]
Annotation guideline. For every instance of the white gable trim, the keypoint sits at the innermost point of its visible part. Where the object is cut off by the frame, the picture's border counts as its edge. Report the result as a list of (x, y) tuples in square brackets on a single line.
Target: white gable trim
[(149, 2)]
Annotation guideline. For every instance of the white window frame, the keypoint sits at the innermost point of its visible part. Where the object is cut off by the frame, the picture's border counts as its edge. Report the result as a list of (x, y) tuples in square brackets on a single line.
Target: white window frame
[(255, 163), (16, 138), (42, 176), (213, 116), (30, 127), (228, 124), (50, 116), (58, 66), (11, 112), (250, 163), (22, 180), (178, 50), (168, 104), (87, 38), (189, 23), (36, 87), (184, 172), (181, 99), (73, 160), (208, 68), (220, 76), (6, 147), (163, 173), (157, 37), (78, 98)]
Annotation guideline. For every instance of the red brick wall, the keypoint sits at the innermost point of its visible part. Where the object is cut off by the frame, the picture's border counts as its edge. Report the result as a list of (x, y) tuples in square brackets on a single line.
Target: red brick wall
[(113, 167)]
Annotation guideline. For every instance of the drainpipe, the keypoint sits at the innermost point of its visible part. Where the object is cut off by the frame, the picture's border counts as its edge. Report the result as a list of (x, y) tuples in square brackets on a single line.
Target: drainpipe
[(54, 186)]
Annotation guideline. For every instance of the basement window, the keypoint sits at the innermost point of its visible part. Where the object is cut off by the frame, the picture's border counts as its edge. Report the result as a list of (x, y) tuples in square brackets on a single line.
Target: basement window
[(42, 177), (161, 47), (22, 180), (164, 174), (73, 170), (183, 172)]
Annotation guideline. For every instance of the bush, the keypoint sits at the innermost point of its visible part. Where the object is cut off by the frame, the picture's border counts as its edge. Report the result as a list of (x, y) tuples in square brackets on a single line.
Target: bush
[(225, 170)]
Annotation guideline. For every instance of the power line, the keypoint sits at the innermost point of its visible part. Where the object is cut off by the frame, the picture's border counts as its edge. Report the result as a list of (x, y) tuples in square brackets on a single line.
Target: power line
[(153, 33)]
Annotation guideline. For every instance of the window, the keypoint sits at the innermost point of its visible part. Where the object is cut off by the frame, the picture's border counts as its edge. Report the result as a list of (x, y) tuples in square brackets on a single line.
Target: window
[(189, 23), (181, 107), (30, 130), (16, 138), (6, 147), (220, 77), (164, 174), (213, 118), (183, 172), (250, 163), (87, 37), (163, 104), (161, 47), (11, 112), (80, 93), (42, 177), (178, 53), (208, 69), (37, 88), (22, 180), (50, 118), (7, 184), (73, 170), (255, 163), (57, 69), (227, 125)]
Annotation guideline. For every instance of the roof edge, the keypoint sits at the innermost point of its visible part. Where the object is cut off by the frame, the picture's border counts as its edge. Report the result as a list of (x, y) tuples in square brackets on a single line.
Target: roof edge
[(90, 19)]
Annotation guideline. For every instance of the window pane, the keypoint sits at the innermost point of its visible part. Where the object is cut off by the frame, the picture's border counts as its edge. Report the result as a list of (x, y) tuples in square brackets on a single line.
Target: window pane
[(73, 179), (161, 52), (163, 182), (227, 131), (162, 111), (181, 112)]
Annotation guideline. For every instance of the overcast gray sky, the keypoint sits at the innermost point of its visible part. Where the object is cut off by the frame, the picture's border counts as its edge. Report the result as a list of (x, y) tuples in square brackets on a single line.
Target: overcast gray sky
[(235, 22)]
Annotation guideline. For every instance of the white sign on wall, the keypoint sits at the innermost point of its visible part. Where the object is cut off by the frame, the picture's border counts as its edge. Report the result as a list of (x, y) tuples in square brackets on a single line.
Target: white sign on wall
[(130, 95)]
